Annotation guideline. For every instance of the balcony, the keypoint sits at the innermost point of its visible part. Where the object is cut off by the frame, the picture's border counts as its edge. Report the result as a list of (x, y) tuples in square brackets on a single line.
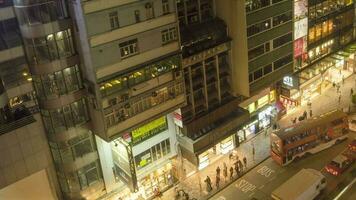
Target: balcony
[(137, 60), (141, 109), (16, 118), (200, 37)]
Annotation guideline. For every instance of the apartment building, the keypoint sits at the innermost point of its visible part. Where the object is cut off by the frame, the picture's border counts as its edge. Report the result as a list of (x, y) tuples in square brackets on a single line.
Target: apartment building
[(210, 118), (24, 152), (132, 67)]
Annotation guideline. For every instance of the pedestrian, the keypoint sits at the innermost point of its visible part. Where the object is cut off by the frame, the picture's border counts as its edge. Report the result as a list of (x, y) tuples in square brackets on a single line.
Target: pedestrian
[(157, 193), (295, 120), (334, 84), (231, 156), (351, 91), (185, 196), (225, 171), (217, 181), (244, 159), (305, 114), (237, 168), (337, 88), (208, 183), (253, 153), (241, 167), (343, 79), (339, 98), (311, 113), (231, 172), (218, 171)]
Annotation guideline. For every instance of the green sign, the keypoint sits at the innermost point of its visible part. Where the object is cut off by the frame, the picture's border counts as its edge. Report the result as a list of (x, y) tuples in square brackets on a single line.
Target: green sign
[(148, 130)]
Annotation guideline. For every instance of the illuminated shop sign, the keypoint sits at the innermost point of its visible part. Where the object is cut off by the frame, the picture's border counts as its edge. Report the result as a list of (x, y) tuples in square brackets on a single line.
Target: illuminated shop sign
[(148, 130), (288, 81)]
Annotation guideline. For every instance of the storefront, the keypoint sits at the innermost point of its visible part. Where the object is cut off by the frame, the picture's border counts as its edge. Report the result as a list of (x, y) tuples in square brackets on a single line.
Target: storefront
[(223, 147), (317, 78)]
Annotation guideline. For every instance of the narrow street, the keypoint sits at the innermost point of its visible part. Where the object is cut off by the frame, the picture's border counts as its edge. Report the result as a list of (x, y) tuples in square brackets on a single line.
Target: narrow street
[(325, 102)]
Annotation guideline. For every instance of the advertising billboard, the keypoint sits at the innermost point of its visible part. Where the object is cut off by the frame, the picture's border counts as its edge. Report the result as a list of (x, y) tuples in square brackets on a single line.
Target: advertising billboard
[(300, 9), (148, 130), (300, 28)]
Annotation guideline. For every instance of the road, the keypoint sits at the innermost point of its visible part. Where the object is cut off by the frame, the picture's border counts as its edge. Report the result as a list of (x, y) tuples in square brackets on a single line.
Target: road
[(263, 179)]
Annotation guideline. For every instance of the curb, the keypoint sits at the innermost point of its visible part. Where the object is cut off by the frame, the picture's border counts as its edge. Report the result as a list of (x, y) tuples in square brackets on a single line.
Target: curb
[(211, 194)]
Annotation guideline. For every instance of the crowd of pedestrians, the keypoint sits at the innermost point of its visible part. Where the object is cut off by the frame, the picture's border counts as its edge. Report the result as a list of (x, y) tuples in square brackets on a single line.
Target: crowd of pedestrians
[(236, 169)]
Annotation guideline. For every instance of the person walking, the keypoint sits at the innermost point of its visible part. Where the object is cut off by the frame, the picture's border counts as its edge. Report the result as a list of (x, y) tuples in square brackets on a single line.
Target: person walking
[(208, 183), (217, 182), (241, 167), (237, 170), (244, 159), (351, 91), (339, 98), (311, 113), (231, 172), (218, 171), (253, 152), (225, 172)]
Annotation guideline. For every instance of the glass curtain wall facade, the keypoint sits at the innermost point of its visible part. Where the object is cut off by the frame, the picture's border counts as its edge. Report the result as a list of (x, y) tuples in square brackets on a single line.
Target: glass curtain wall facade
[(54, 63)]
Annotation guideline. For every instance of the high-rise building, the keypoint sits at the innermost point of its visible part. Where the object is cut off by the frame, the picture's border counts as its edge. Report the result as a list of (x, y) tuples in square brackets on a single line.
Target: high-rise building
[(212, 115), (102, 99), (24, 151)]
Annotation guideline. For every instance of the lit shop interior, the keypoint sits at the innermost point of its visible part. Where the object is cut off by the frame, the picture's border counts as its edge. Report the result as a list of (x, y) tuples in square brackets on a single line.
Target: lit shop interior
[(142, 160), (314, 80), (262, 113)]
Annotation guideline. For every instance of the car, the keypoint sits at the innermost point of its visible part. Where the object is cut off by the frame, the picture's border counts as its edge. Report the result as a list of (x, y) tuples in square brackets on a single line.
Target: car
[(338, 165)]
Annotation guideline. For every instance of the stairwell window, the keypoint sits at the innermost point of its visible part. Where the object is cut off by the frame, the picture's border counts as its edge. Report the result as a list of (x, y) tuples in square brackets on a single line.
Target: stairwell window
[(165, 7), (128, 48), (149, 11), (114, 20), (169, 35)]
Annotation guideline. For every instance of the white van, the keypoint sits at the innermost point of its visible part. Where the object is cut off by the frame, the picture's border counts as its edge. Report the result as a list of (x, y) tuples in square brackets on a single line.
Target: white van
[(305, 185)]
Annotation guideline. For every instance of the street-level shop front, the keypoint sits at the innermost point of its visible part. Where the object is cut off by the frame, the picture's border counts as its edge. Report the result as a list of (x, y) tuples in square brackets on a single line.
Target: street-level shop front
[(317, 78), (221, 148)]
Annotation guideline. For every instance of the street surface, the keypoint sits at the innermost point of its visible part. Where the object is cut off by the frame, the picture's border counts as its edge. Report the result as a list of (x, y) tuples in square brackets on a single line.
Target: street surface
[(258, 183)]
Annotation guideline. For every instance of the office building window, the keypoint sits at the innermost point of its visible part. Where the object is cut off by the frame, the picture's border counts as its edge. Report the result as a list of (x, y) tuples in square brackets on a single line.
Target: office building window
[(283, 18), (114, 20), (267, 69), (258, 27), (259, 50), (128, 48), (252, 5), (282, 62), (169, 35), (165, 7), (282, 40), (257, 74)]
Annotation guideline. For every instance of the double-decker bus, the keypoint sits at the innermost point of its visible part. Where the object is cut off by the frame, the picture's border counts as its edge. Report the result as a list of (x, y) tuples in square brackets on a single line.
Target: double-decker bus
[(308, 137)]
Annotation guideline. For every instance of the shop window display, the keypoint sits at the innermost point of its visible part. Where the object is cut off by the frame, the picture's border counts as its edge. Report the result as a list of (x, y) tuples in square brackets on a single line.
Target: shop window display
[(156, 152)]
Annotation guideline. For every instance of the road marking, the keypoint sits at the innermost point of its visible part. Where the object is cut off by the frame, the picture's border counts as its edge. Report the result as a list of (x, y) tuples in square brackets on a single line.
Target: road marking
[(245, 186), (261, 187), (273, 178), (221, 198), (251, 194), (265, 171)]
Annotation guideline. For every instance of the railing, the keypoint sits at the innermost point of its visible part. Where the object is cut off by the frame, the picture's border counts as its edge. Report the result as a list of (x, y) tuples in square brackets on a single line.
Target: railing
[(4, 128)]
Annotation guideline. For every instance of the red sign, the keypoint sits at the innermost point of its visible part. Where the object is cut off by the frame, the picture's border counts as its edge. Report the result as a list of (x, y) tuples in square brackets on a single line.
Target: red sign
[(298, 47)]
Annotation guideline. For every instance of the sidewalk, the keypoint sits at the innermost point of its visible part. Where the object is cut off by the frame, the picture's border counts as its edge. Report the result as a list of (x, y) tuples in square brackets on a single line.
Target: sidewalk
[(327, 101), (191, 184)]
